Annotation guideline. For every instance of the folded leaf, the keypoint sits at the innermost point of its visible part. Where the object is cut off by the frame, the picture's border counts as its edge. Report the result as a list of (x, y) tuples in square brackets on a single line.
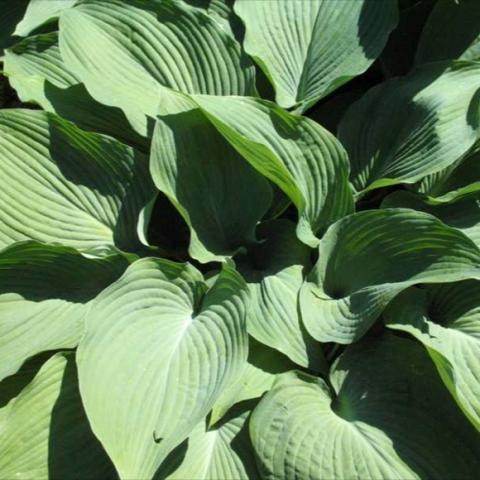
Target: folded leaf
[(44, 431), (274, 272), (65, 186), (417, 125), (294, 152), (223, 452), (387, 415), (157, 353), (40, 12), (451, 32), (446, 319), (310, 48), (37, 72), (463, 214), (126, 52), (206, 179), (366, 259), (44, 295)]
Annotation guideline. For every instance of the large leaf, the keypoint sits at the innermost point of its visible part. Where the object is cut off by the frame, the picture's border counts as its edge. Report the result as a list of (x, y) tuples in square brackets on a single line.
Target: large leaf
[(463, 214), (457, 181), (366, 259), (274, 273), (44, 432), (386, 415), (294, 152), (446, 319), (44, 295), (125, 53), (451, 32), (310, 48), (157, 353), (223, 452), (206, 179), (63, 185), (40, 12), (37, 72), (263, 366), (435, 122)]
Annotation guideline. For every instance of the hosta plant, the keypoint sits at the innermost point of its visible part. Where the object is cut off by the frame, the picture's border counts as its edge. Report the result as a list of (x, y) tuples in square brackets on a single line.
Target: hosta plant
[(240, 239)]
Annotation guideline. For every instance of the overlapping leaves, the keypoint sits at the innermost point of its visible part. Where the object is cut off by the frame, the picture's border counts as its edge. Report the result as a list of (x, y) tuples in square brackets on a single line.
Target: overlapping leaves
[(200, 281)]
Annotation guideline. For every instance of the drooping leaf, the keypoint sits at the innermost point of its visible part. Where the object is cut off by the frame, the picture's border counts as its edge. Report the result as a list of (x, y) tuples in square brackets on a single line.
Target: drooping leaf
[(417, 125), (463, 214), (222, 452), (387, 416), (40, 12), (11, 14), (44, 295), (37, 72), (157, 353), (367, 258), (126, 53), (446, 319), (294, 152), (44, 432), (459, 180), (206, 179), (451, 32), (274, 271), (66, 186), (263, 366), (310, 48)]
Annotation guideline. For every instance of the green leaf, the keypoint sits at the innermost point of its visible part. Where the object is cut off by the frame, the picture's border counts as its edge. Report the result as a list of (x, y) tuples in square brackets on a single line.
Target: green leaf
[(63, 185), (308, 49), (223, 452), (274, 273), (435, 123), (457, 181), (387, 415), (12, 11), (157, 353), (37, 72), (463, 214), (126, 53), (294, 152), (44, 296), (446, 319), (451, 32), (40, 12), (366, 259), (205, 178), (44, 432), (264, 364)]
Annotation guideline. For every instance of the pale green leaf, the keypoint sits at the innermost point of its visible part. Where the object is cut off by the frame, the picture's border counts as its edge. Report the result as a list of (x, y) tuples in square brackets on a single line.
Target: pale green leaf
[(37, 72), (367, 258), (308, 48), (294, 152), (127, 52), (446, 319), (206, 179), (44, 432), (40, 12), (223, 452), (464, 214), (451, 32), (274, 271), (417, 125), (386, 415), (66, 186), (157, 353), (44, 296)]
